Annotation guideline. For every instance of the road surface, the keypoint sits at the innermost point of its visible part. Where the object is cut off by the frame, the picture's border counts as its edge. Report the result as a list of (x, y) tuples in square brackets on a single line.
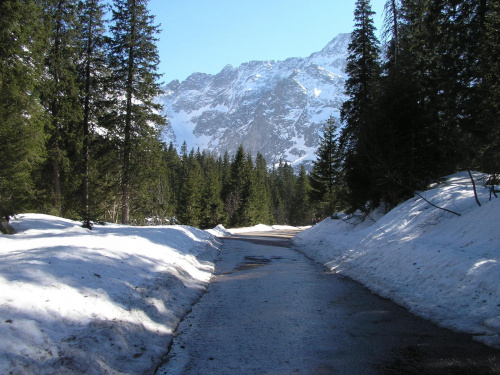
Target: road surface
[(271, 310)]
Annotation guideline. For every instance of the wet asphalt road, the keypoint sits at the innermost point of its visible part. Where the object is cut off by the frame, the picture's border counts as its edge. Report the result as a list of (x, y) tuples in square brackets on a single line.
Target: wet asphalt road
[(271, 310)]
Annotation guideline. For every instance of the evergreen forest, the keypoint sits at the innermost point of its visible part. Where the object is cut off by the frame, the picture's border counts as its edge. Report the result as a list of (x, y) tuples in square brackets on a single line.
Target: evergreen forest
[(80, 127)]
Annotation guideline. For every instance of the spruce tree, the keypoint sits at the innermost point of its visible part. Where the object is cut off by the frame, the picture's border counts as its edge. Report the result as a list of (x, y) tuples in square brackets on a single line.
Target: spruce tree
[(225, 172), (301, 212), (212, 206), (246, 214), (150, 198), (391, 28), (363, 69), (61, 99), (279, 213), (478, 85), (263, 203), (92, 72), (326, 178), (405, 149), (190, 195), (173, 169), (22, 118), (133, 62), (234, 186), (286, 185)]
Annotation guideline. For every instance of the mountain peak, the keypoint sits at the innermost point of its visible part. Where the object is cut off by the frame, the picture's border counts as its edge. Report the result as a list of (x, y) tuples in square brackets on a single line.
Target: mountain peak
[(338, 44), (276, 108)]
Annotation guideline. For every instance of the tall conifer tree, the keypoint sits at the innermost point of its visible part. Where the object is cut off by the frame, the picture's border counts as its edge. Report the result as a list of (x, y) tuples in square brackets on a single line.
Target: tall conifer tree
[(22, 119), (491, 81), (212, 207), (363, 69), (301, 212), (189, 203), (263, 192), (92, 72), (134, 61), (326, 177), (61, 99)]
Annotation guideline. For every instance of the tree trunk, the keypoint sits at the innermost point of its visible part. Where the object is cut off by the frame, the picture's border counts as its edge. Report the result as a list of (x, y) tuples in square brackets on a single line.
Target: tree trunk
[(128, 124), (57, 185), (86, 134)]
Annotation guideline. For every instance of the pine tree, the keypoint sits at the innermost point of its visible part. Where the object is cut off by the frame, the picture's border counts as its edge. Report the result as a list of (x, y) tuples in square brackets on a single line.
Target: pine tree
[(405, 149), (133, 61), (225, 166), (263, 201), (189, 203), (234, 186), (60, 97), (212, 206), (22, 121), (391, 28), (363, 69), (301, 212), (477, 84), (286, 183), (483, 133), (149, 200), (326, 177), (246, 214), (279, 213), (173, 170), (92, 73)]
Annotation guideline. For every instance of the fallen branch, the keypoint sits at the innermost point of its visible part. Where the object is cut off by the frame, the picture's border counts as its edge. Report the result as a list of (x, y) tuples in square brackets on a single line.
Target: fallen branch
[(433, 205), (474, 187)]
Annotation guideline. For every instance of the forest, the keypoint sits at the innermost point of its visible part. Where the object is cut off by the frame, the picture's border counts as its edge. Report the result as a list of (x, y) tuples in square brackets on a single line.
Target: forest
[(80, 127), (424, 103)]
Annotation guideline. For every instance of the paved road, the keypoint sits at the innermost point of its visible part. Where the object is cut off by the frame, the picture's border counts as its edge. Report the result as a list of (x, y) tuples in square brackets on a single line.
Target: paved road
[(271, 310)]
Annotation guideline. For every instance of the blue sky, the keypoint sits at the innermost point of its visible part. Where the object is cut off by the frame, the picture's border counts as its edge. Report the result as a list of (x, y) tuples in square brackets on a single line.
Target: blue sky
[(206, 35)]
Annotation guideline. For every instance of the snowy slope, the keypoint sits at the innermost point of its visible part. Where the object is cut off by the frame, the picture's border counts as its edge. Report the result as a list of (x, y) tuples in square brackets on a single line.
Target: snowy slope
[(275, 107), (440, 266), (104, 301)]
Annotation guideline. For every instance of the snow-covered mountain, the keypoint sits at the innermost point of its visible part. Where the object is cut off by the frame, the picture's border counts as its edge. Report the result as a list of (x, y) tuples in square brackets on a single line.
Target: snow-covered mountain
[(275, 107)]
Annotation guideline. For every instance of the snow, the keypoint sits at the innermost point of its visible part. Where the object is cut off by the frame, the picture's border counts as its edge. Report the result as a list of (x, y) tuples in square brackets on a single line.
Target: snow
[(443, 267), (106, 300), (219, 231)]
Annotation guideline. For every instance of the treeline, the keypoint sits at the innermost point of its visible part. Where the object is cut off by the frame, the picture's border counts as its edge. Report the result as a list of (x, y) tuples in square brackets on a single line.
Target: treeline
[(203, 190), (425, 103)]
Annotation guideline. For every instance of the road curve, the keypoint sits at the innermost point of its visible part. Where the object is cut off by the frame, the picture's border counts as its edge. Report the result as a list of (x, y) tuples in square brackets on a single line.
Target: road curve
[(271, 310)]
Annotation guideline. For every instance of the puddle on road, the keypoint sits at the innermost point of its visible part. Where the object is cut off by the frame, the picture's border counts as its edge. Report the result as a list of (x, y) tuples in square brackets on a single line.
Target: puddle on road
[(251, 262)]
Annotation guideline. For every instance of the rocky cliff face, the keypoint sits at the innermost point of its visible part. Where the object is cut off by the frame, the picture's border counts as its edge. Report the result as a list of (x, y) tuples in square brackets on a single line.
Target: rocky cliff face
[(275, 107)]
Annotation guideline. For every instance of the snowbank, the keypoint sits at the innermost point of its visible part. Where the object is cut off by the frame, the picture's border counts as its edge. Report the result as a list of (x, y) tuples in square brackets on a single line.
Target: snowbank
[(440, 266), (102, 301), (219, 231)]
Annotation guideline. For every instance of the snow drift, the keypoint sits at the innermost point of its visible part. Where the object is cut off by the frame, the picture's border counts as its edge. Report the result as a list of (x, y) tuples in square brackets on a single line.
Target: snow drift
[(102, 301)]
